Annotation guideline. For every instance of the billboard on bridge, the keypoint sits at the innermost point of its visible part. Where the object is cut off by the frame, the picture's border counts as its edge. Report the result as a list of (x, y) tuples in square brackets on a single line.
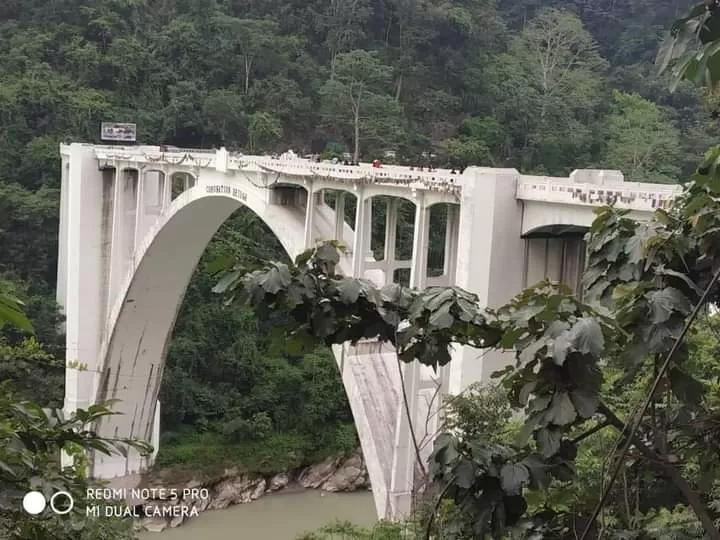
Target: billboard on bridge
[(113, 131)]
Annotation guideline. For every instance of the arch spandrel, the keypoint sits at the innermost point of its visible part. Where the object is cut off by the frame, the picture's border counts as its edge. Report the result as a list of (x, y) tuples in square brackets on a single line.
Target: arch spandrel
[(143, 316)]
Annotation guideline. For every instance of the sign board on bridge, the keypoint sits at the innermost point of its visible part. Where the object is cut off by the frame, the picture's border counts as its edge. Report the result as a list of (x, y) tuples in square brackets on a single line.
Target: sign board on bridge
[(112, 131)]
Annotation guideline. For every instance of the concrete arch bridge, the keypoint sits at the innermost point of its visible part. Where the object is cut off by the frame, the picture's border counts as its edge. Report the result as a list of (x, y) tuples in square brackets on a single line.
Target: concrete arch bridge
[(135, 221)]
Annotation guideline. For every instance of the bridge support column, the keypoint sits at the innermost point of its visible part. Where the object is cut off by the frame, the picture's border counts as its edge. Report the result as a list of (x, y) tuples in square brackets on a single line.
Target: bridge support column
[(368, 227), (340, 216), (117, 238), (81, 274), (155, 440), (140, 208), (359, 253), (390, 239), (490, 259), (451, 242), (310, 216), (167, 191), (407, 436), (421, 234)]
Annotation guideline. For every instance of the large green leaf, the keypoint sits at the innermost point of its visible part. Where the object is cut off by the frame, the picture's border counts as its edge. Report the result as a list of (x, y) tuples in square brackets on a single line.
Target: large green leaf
[(665, 302), (327, 253), (586, 336), (561, 411), (687, 388), (219, 264), (349, 290), (527, 429), (548, 440), (513, 477), (276, 279), (634, 249), (465, 474), (442, 317), (226, 281), (11, 313), (585, 402), (539, 474)]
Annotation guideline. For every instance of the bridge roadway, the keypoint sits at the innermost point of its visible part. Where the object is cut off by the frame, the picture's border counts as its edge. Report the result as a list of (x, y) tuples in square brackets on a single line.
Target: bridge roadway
[(135, 221)]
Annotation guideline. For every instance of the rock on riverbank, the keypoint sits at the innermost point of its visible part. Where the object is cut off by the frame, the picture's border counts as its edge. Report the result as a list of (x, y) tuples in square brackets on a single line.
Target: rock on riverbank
[(234, 487)]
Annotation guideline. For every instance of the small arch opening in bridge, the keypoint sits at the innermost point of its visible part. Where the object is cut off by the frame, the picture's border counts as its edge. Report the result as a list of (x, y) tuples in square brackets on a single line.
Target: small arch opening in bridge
[(391, 222), (179, 183), (556, 252)]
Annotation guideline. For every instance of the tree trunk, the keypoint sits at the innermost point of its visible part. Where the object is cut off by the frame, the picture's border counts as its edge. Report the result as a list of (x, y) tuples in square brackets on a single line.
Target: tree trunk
[(333, 56), (356, 118), (248, 66)]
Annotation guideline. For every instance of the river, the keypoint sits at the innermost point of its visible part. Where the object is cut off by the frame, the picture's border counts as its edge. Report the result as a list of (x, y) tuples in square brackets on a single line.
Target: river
[(279, 516)]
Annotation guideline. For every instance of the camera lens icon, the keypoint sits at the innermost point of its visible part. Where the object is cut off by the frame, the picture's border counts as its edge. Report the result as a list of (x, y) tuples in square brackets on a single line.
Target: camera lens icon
[(61, 503)]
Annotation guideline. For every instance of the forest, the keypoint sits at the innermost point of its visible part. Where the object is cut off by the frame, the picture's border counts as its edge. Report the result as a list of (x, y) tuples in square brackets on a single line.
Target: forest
[(544, 87)]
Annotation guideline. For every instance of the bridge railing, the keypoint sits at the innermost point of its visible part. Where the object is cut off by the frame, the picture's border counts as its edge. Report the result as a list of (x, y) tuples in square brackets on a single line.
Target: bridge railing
[(438, 180), (363, 173), (628, 195), (158, 154)]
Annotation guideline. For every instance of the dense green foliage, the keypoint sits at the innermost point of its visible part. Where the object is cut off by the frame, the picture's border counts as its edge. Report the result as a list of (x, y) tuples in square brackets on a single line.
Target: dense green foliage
[(645, 284), (574, 361), (542, 86)]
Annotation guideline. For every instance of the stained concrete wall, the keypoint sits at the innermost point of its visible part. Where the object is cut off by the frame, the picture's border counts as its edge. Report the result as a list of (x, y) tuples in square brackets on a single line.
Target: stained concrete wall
[(490, 259)]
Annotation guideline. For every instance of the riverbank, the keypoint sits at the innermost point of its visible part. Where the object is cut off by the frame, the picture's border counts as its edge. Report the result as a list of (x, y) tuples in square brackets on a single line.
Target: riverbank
[(232, 486)]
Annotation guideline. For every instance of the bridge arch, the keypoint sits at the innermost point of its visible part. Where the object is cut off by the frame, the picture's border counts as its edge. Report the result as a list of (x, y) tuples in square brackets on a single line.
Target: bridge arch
[(141, 320)]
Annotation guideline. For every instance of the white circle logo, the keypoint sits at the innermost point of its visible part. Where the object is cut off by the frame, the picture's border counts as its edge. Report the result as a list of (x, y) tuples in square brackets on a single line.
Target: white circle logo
[(62, 511), (34, 502)]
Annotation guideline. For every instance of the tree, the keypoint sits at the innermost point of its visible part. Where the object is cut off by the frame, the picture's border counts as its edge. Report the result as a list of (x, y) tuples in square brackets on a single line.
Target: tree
[(358, 97), (225, 116), (263, 130), (342, 21), (477, 143), (690, 50), (253, 38), (548, 86), (641, 142)]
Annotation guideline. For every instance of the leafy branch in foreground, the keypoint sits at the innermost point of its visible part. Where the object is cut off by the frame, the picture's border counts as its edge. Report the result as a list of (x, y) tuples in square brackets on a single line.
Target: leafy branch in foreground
[(691, 50), (324, 307), (11, 313), (31, 441)]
